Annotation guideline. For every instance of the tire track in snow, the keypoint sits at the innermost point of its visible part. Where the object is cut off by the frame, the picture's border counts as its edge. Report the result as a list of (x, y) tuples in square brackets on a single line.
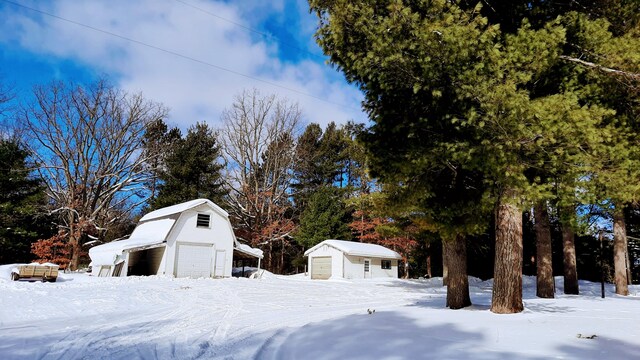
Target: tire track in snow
[(234, 308)]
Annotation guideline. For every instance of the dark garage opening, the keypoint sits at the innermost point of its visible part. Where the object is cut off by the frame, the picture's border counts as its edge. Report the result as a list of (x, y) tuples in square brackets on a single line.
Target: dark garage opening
[(145, 262)]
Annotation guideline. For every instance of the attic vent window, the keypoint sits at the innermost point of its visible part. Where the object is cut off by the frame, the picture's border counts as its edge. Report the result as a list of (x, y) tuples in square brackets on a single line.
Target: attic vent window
[(203, 220)]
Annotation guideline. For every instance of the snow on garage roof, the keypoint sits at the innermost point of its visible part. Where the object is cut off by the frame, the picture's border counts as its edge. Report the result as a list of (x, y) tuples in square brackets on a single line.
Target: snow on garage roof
[(358, 249), (178, 208), (145, 234)]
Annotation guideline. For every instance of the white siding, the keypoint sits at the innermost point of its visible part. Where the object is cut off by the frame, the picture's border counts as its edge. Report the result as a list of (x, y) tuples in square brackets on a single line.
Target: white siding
[(354, 267), (378, 272)]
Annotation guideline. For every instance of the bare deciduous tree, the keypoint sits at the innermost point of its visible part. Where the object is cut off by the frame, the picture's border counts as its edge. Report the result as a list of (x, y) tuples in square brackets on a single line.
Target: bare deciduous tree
[(258, 143), (6, 95), (87, 143)]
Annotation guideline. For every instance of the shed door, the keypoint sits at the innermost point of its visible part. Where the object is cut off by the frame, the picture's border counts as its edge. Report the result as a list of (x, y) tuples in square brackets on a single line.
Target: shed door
[(194, 260), (221, 259), (321, 267)]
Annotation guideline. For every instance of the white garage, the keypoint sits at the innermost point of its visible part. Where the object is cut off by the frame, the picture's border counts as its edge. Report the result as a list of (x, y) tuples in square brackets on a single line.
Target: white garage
[(351, 260), (193, 239)]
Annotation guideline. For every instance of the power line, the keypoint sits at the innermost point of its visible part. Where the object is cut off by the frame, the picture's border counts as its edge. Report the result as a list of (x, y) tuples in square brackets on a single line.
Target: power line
[(252, 30), (138, 42)]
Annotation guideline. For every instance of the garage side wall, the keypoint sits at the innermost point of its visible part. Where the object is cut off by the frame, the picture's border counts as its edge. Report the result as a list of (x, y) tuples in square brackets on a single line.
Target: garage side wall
[(378, 272), (354, 267), (336, 259)]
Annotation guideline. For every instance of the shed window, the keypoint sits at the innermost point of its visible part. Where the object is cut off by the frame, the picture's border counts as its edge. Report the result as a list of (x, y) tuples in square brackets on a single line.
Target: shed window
[(203, 220), (386, 264)]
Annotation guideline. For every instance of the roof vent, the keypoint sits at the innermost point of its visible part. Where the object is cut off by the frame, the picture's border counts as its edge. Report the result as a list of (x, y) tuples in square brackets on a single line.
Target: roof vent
[(203, 220)]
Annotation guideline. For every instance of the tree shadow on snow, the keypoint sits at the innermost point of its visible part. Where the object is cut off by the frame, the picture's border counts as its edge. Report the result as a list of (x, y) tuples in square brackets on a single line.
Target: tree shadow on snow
[(547, 307), (393, 335), (601, 348), (383, 335)]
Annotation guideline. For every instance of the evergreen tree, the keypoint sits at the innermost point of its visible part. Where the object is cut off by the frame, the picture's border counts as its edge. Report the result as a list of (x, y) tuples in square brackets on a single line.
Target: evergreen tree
[(306, 167), (192, 169), (321, 160), (325, 217), (22, 200), (158, 141), (451, 90), (545, 283), (600, 63)]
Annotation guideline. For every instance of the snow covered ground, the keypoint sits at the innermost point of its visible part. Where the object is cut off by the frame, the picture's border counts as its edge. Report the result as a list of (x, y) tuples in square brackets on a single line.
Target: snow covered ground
[(292, 317)]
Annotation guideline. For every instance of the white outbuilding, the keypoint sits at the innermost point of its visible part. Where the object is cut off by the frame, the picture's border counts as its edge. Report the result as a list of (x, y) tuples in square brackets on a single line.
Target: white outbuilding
[(351, 260), (191, 239)]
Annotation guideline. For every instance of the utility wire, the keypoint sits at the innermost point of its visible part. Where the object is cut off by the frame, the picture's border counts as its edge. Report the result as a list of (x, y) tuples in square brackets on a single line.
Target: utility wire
[(252, 30), (177, 54)]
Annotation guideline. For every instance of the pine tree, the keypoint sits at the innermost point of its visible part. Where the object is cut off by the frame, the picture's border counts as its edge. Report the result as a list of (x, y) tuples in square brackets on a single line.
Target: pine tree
[(325, 217), (452, 90), (545, 283), (22, 203), (192, 169), (307, 174), (158, 141), (322, 159)]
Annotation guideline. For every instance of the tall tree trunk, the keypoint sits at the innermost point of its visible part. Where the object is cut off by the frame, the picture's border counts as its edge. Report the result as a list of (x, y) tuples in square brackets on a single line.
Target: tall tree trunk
[(406, 269), (629, 274), (545, 284), (455, 251), (445, 267), (74, 242), (620, 253), (282, 258), (75, 253), (271, 268), (429, 275), (507, 273), (569, 255), (628, 260)]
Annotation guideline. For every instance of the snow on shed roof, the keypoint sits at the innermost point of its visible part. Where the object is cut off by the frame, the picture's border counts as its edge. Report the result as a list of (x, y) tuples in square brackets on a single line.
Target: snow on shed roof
[(358, 249), (145, 234), (249, 250), (178, 208)]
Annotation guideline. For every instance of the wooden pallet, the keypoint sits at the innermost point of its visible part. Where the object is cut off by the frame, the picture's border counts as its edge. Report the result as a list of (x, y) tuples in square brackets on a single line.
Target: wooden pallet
[(35, 272)]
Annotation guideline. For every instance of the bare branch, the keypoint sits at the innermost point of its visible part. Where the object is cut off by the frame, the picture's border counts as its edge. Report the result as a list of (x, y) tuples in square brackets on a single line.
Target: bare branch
[(635, 76), (88, 144)]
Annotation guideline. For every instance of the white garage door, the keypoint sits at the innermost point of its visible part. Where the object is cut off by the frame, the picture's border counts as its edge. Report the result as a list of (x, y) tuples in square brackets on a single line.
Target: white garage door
[(321, 267), (194, 260)]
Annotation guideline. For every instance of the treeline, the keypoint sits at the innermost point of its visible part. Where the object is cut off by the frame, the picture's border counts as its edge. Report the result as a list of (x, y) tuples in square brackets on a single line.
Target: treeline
[(286, 187), (82, 163)]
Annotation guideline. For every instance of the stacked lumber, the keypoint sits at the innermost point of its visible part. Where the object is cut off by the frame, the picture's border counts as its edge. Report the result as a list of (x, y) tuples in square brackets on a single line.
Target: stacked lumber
[(42, 272)]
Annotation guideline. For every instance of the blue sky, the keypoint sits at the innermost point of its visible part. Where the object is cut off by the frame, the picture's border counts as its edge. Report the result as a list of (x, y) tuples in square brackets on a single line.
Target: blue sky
[(36, 48)]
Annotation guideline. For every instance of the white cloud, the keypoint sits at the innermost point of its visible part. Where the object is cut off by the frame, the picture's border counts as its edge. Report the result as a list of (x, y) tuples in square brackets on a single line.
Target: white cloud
[(194, 91)]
